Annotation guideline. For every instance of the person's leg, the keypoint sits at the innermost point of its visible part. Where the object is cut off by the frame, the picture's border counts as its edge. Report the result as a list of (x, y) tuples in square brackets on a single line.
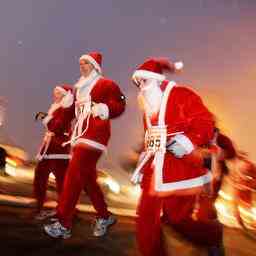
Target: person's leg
[(58, 168), (59, 171), (41, 177), (149, 238), (104, 218), (96, 196), (82, 163)]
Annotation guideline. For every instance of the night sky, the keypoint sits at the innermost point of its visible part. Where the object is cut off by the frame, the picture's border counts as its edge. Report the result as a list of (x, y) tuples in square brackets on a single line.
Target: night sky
[(41, 42)]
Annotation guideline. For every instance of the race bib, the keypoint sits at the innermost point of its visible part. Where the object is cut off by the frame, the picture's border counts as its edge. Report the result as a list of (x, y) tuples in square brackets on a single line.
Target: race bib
[(155, 139)]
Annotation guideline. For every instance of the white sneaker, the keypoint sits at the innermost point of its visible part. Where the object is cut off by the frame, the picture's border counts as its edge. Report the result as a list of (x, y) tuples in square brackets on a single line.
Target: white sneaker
[(56, 230), (44, 214), (101, 225)]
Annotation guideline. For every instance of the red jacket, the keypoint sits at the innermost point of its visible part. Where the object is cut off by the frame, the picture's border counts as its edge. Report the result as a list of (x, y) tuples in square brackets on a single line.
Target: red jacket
[(184, 112), (96, 132), (58, 125)]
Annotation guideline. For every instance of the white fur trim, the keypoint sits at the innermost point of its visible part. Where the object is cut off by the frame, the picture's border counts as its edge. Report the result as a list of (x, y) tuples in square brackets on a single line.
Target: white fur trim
[(161, 119), (183, 184), (145, 74), (47, 119), (67, 100), (91, 143), (92, 61), (62, 90), (93, 77), (101, 110), (178, 65), (56, 156), (143, 159), (185, 142)]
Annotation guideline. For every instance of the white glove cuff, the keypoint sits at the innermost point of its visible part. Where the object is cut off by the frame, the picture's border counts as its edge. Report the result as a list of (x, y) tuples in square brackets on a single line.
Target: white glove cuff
[(101, 110), (185, 142)]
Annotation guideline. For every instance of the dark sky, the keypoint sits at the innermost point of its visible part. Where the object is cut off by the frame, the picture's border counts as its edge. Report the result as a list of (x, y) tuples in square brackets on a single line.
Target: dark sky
[(41, 42)]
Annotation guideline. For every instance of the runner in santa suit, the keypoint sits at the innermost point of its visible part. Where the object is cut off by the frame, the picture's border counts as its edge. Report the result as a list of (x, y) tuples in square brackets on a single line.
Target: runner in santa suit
[(98, 100), (176, 122), (52, 156)]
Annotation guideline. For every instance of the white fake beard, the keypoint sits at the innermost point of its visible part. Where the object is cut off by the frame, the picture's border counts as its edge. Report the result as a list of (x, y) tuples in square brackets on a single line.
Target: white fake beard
[(83, 86), (86, 81), (150, 97)]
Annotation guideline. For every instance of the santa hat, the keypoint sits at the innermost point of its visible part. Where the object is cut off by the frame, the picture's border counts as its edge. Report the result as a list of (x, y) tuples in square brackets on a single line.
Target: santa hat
[(155, 67), (94, 58), (67, 92)]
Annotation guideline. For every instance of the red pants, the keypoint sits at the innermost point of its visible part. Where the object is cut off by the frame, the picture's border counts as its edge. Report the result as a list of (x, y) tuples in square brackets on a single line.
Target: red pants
[(42, 171), (81, 174), (177, 212), (149, 222)]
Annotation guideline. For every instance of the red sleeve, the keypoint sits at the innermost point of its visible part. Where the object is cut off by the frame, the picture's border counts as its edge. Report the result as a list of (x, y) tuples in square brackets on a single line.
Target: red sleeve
[(115, 100), (200, 122), (61, 122)]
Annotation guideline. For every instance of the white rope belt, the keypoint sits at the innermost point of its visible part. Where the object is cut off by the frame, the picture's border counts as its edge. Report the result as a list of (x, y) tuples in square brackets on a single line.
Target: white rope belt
[(91, 143), (55, 156)]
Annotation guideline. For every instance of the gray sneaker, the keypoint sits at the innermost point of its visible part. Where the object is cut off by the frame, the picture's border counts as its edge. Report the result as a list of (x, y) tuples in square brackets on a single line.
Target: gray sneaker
[(56, 230), (101, 225)]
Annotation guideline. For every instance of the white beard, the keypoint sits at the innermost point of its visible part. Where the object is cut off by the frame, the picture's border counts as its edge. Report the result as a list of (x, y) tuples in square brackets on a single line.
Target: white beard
[(150, 97), (83, 85)]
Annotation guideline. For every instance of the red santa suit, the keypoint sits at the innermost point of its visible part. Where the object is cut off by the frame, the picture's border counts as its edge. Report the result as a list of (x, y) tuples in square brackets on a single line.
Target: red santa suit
[(98, 100), (52, 156), (182, 118)]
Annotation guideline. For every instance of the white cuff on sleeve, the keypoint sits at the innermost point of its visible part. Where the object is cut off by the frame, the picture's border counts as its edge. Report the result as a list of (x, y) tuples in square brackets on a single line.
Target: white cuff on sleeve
[(101, 110), (185, 142)]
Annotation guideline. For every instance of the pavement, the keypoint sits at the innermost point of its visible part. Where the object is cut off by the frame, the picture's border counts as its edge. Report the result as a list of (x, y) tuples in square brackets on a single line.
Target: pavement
[(21, 235)]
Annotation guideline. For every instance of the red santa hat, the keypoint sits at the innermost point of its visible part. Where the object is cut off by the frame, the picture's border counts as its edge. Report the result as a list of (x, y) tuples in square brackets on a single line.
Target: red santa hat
[(67, 92), (95, 58), (155, 67)]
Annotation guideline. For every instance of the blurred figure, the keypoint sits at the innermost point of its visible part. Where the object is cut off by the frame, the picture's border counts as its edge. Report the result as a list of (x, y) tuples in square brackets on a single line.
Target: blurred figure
[(53, 157), (245, 181), (98, 100), (176, 122), (196, 217), (242, 178)]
